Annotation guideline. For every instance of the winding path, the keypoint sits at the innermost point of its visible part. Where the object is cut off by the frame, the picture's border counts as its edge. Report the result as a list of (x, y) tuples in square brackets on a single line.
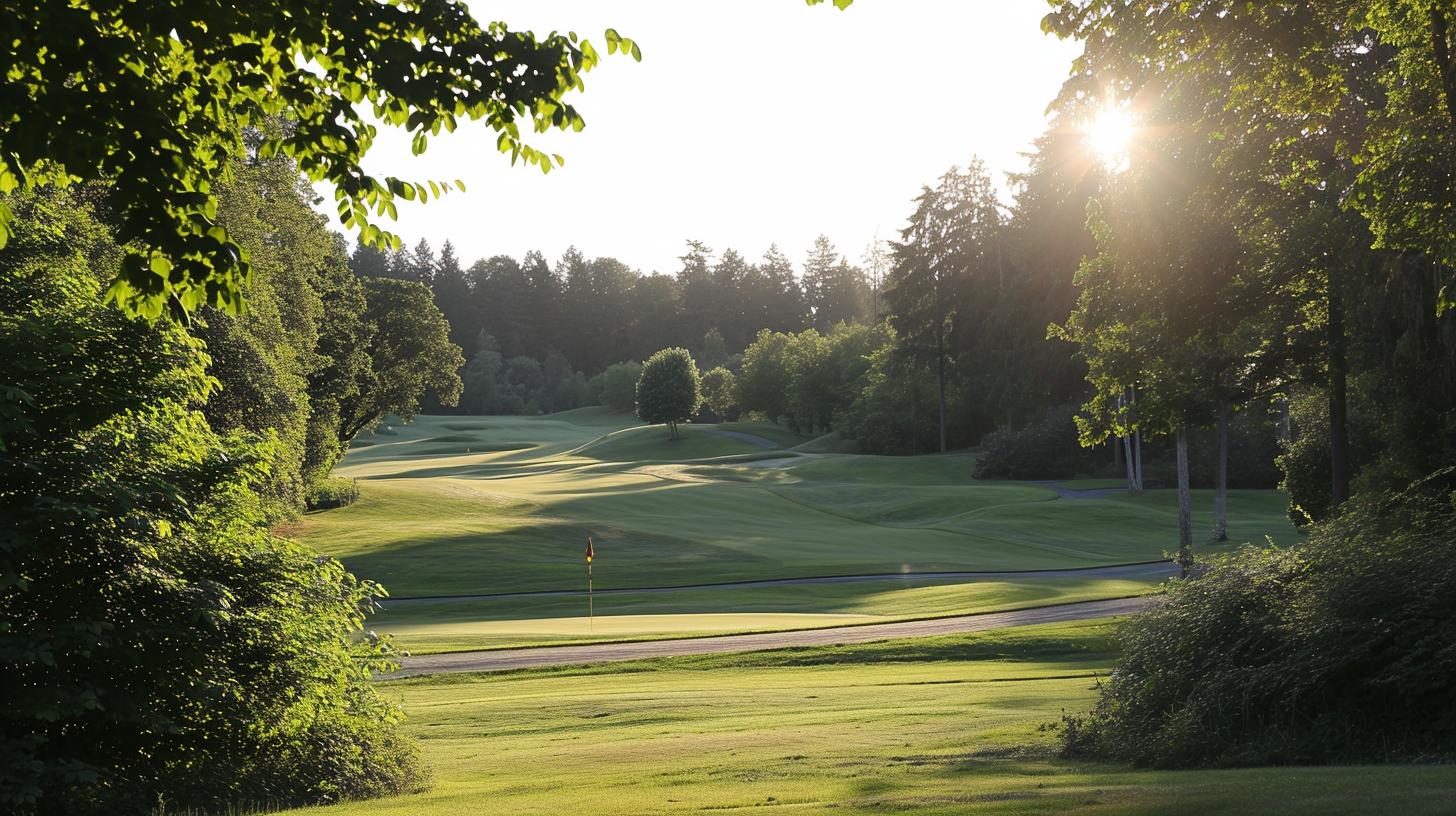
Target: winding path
[(506, 659)]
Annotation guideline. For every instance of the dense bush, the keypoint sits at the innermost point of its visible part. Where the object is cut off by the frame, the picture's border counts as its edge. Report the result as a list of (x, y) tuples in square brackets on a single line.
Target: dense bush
[(1305, 461), (332, 492), (159, 644), (720, 394), (809, 381), (1047, 448), (616, 387), (885, 416), (1335, 650), (520, 385)]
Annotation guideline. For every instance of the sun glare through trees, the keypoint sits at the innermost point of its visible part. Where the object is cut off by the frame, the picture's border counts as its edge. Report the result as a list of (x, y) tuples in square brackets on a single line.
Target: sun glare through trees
[(1110, 134), (963, 408)]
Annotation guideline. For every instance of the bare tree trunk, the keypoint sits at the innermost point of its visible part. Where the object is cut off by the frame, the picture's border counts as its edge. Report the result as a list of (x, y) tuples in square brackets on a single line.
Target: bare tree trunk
[(1132, 444), (1339, 432), (1441, 50), (1131, 469), (1137, 445), (1185, 508), (1220, 487), (940, 378)]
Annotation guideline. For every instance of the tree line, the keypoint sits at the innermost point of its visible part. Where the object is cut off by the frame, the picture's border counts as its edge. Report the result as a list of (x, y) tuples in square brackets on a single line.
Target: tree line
[(595, 312)]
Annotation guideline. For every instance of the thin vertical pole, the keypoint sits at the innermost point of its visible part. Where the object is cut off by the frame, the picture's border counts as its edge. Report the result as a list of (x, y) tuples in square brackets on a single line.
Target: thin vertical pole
[(590, 611)]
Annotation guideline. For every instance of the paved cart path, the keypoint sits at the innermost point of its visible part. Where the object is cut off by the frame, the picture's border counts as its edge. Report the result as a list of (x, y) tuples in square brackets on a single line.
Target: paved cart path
[(506, 659)]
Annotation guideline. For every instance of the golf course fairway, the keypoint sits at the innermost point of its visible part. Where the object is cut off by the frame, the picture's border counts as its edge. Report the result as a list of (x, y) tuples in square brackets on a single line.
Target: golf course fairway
[(947, 725), (486, 506)]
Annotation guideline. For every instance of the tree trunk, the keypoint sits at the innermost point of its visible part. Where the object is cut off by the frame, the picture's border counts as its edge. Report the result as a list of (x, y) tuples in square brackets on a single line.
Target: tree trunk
[(1441, 50), (1137, 451), (1137, 447), (1339, 432), (1185, 509), (1131, 470), (1220, 487), (940, 379)]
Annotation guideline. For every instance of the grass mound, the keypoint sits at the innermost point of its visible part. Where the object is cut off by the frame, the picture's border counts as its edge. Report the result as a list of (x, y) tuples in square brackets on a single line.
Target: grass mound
[(651, 444)]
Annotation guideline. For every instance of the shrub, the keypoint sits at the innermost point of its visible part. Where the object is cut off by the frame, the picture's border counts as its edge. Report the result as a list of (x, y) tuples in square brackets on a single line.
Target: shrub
[(1047, 448), (616, 387), (1340, 649), (333, 492), (720, 394)]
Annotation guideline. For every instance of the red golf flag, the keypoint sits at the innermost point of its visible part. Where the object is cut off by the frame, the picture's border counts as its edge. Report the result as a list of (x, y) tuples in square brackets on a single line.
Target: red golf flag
[(589, 552)]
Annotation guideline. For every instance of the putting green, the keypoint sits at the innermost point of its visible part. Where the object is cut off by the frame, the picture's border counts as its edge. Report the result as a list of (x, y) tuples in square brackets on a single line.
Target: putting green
[(933, 726)]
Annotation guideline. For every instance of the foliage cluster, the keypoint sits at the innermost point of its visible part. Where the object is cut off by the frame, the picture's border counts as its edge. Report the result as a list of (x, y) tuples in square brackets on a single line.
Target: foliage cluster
[(332, 492), (160, 644), (1337, 650), (596, 312), (808, 380), (616, 386), (521, 385), (1047, 448), (153, 96), (669, 389)]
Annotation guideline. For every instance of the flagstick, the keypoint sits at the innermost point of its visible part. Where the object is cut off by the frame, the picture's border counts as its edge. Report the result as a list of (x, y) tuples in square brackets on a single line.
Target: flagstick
[(590, 613)]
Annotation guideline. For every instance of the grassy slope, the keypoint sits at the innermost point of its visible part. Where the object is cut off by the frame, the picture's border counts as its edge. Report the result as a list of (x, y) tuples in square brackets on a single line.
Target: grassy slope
[(432, 523), (930, 726)]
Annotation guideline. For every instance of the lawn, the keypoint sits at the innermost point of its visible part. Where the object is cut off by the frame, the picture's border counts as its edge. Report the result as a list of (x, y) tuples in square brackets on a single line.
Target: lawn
[(497, 504), (489, 505), (948, 725), (430, 625)]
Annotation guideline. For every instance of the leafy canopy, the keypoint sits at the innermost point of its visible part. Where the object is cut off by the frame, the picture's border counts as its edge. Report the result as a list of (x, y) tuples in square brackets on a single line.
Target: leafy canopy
[(153, 95), (669, 388)]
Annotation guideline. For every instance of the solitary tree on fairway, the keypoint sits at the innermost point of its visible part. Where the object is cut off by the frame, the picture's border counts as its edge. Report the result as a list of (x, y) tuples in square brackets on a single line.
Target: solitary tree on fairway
[(668, 389)]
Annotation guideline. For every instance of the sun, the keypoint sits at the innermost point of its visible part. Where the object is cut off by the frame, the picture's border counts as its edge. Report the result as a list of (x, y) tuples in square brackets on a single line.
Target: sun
[(1109, 136)]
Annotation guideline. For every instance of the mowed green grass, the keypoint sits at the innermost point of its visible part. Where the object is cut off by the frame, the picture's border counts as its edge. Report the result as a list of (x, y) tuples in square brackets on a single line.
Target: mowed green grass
[(930, 726), (479, 505), (428, 626)]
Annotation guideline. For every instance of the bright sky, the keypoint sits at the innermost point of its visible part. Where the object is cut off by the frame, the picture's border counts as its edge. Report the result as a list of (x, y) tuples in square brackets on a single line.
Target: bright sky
[(747, 122)]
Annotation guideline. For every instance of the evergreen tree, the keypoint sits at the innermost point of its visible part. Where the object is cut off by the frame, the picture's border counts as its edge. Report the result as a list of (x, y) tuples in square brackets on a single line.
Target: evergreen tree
[(454, 298)]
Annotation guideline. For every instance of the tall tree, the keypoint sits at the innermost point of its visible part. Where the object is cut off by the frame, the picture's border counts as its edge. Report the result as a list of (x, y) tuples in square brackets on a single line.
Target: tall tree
[(501, 295), (836, 291), (780, 301), (951, 239), (453, 297), (369, 261), (411, 357), (160, 644)]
